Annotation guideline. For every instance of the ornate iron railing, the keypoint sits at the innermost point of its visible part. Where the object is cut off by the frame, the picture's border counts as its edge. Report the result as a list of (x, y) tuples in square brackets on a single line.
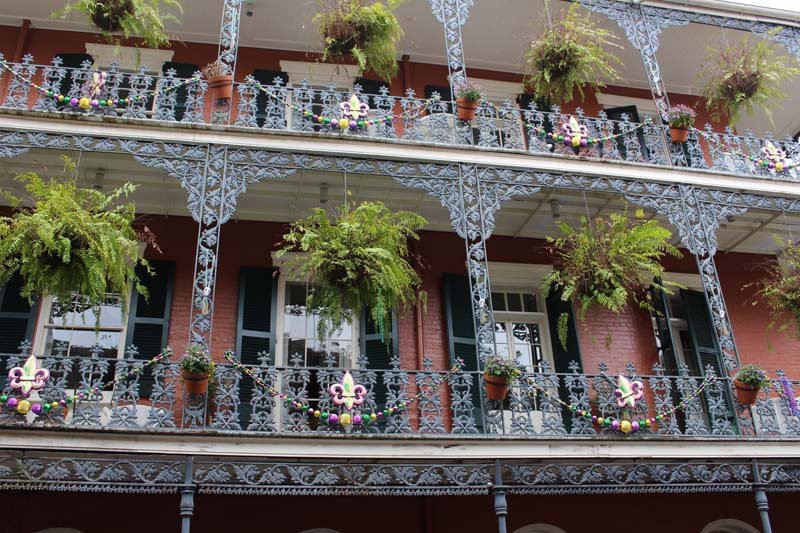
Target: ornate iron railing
[(142, 95), (539, 405)]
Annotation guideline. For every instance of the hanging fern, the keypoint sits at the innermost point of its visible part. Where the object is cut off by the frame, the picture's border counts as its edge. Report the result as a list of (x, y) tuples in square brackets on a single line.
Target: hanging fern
[(606, 263), (368, 33), (744, 77), (570, 54), (360, 258), (126, 18), (71, 240), (779, 290)]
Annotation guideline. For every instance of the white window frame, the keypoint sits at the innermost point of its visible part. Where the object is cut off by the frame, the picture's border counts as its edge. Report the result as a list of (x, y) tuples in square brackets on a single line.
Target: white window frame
[(286, 275), (527, 278), (676, 325)]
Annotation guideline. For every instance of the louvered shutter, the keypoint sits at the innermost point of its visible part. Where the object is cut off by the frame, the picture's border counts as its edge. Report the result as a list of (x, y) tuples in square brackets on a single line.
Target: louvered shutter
[(258, 289), (633, 115), (182, 70), (17, 316), (660, 316), (266, 77), (701, 329), (148, 321), (562, 356), (377, 353)]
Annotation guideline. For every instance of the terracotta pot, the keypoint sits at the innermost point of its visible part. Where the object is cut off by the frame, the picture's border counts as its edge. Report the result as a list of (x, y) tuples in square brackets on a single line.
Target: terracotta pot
[(496, 387), (745, 394), (221, 87), (678, 135), (466, 108), (195, 383)]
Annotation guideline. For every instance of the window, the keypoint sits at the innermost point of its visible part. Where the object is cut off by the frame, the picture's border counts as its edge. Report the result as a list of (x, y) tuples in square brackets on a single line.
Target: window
[(16, 316), (521, 328)]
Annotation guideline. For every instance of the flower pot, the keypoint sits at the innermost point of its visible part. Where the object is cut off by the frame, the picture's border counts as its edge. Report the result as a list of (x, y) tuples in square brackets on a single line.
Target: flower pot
[(745, 394), (496, 387), (466, 108), (678, 135), (195, 383), (221, 87)]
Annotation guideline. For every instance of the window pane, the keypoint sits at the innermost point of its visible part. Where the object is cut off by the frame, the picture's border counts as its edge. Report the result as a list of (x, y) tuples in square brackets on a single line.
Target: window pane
[(498, 301), (501, 339), (529, 301), (527, 344), (78, 313), (676, 306), (514, 301), (296, 294), (80, 342), (294, 347)]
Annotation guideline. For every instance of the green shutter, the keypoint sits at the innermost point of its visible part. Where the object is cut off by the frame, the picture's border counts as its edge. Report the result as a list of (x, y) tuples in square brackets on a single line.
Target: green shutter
[(266, 77), (17, 316), (633, 115), (460, 322), (377, 353), (660, 315), (70, 61), (701, 330), (148, 320), (182, 70), (562, 357)]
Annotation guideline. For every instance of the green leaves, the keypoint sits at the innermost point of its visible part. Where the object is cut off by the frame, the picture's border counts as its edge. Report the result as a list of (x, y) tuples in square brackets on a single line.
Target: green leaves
[(570, 54), (606, 263), (779, 290), (360, 258), (71, 240), (368, 33), (744, 77)]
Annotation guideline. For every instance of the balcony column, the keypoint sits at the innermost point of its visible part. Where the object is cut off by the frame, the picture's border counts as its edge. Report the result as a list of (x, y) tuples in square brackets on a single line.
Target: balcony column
[(187, 496), (227, 53), (500, 502), (762, 504)]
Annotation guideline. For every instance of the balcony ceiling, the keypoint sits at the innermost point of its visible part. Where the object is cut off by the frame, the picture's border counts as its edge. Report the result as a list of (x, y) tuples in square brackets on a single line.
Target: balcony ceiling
[(277, 24)]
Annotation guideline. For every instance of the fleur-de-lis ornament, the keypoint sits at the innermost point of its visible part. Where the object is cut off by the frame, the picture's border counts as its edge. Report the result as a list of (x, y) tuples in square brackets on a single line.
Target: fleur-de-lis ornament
[(575, 134), (97, 84), (354, 110), (28, 377), (628, 392), (347, 393)]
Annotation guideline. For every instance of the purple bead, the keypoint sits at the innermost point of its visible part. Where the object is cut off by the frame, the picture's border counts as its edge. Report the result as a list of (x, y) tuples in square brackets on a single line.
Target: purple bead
[(12, 402), (95, 103), (315, 118), (635, 426), (771, 165), (36, 408), (615, 425), (311, 411), (62, 403), (567, 141), (594, 418), (353, 124), (652, 420), (357, 420), (583, 142), (333, 419), (73, 102)]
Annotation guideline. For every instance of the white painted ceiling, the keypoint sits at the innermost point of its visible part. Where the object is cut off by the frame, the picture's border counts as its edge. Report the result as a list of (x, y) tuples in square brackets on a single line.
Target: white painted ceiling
[(294, 197)]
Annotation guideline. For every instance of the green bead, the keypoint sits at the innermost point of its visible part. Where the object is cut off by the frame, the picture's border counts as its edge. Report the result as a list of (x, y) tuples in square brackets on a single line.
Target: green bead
[(3, 398), (385, 412), (45, 407)]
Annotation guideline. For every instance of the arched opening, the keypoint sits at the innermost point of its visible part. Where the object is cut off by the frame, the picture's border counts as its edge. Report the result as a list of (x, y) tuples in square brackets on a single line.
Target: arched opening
[(319, 530), (540, 528), (729, 525), (59, 530)]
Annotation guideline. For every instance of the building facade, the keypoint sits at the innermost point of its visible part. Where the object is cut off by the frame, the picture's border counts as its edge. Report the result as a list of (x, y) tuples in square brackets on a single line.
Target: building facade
[(218, 183)]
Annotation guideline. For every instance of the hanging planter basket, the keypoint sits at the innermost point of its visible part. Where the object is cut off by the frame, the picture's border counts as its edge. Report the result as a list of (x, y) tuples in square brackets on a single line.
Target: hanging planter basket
[(745, 394), (194, 382), (496, 387), (466, 108), (109, 14)]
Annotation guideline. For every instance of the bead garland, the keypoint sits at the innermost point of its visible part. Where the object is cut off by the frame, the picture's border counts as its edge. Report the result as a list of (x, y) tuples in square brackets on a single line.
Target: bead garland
[(344, 419), (91, 103), (778, 166), (341, 123), (609, 422), (24, 406)]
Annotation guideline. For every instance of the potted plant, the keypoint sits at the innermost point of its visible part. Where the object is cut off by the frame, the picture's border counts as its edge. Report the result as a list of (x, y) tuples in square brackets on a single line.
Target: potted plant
[(681, 120), (568, 55), (497, 376), (467, 97), (779, 289), (748, 382), (607, 262), (368, 33), (63, 239), (744, 76), (128, 18), (196, 369), (220, 80), (357, 258)]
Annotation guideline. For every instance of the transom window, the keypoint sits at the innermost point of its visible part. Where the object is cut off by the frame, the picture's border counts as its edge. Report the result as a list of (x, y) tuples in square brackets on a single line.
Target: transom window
[(521, 328)]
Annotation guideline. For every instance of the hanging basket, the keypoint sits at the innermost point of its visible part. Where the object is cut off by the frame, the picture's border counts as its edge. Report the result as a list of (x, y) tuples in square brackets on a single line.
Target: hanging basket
[(496, 387), (678, 135), (745, 394), (221, 87), (109, 14), (195, 383), (466, 108)]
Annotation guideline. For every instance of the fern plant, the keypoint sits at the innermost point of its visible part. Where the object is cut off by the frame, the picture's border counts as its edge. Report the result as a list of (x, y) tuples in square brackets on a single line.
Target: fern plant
[(359, 258), (779, 290), (127, 18), (570, 54), (744, 77), (71, 240), (369, 33), (606, 263)]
